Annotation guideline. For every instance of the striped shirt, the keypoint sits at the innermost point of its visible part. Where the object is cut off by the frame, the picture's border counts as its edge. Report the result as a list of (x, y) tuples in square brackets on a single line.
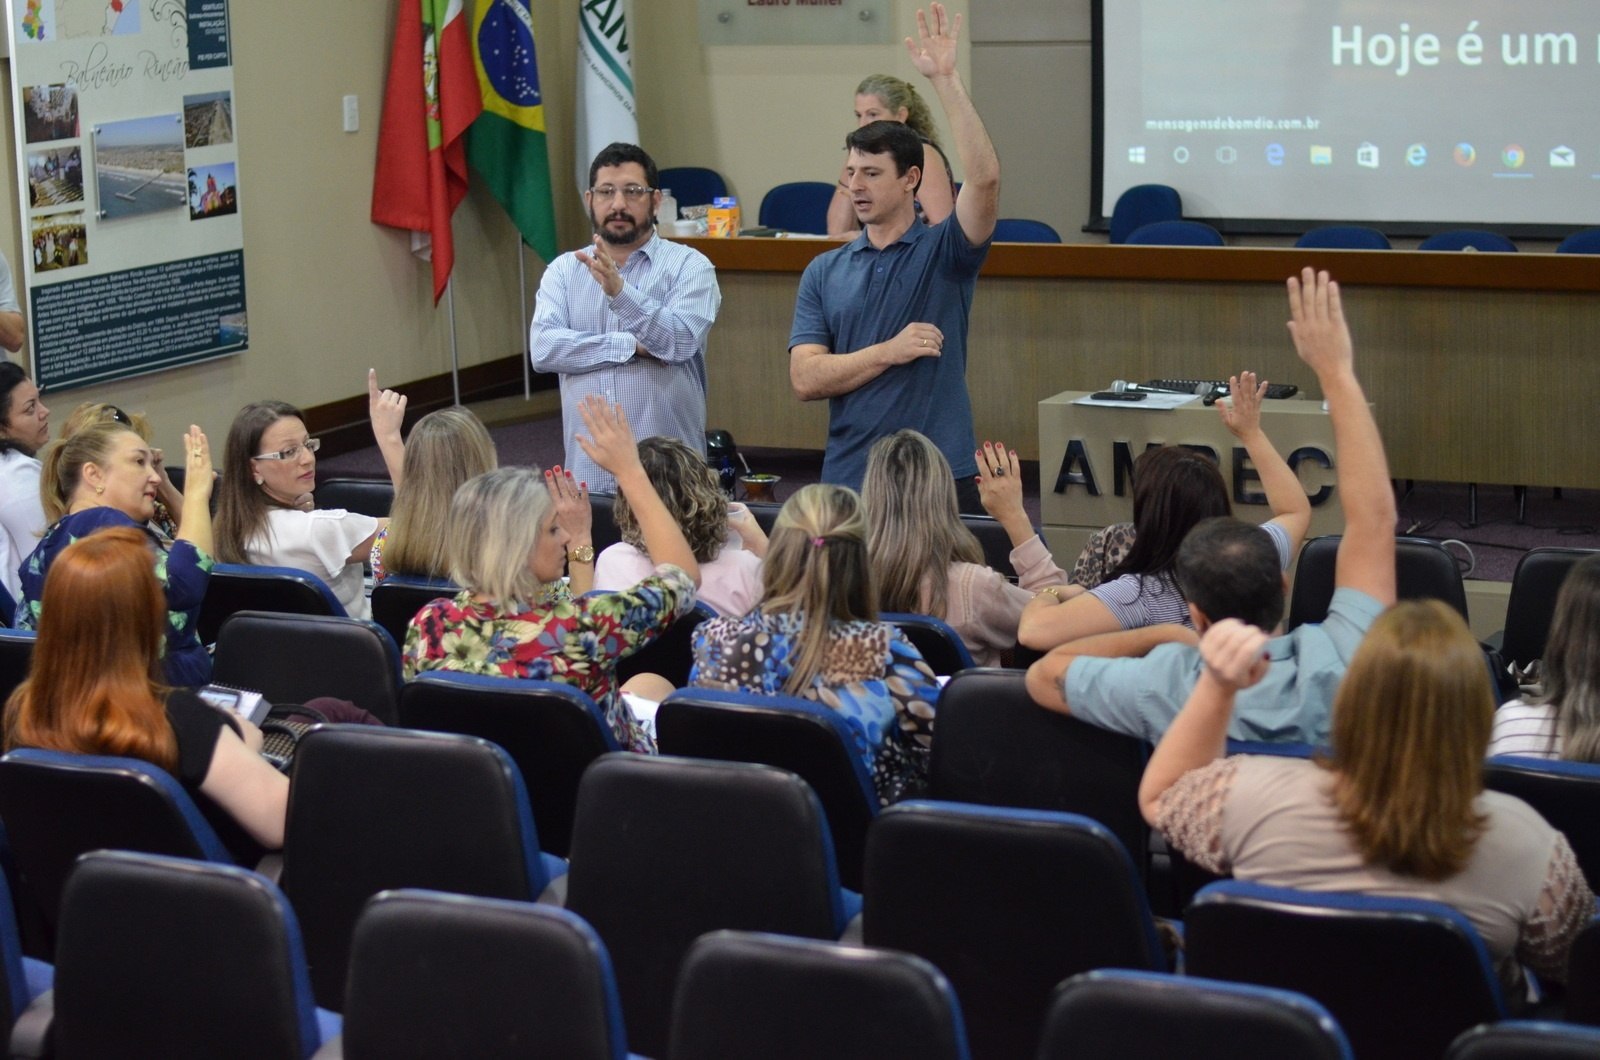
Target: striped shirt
[(1527, 729), (1139, 600), (668, 301)]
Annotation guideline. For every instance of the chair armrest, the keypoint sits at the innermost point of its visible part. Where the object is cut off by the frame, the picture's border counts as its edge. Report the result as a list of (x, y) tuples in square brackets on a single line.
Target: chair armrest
[(32, 1035), (271, 865), (555, 892)]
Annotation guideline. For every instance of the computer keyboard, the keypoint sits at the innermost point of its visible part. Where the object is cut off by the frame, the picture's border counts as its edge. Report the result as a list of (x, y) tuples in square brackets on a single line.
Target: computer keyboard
[(1219, 387)]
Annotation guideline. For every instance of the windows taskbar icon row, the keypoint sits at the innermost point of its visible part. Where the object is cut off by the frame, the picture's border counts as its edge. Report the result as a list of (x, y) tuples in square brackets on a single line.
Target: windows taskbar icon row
[(1368, 155)]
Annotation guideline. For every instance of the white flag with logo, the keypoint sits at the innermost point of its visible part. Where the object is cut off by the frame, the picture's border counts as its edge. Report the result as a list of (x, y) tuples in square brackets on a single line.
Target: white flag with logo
[(605, 82)]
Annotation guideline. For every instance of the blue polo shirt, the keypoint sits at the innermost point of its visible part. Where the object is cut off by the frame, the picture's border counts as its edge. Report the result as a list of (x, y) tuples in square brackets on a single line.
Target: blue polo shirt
[(1293, 703), (857, 296)]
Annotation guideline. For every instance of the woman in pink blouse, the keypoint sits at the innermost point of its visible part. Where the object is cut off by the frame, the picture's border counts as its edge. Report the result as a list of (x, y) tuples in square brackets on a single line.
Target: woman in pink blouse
[(1397, 806), (730, 570), (927, 562)]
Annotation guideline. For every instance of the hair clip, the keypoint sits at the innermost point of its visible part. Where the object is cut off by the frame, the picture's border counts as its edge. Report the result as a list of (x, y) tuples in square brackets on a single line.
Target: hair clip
[(118, 416), (818, 542)]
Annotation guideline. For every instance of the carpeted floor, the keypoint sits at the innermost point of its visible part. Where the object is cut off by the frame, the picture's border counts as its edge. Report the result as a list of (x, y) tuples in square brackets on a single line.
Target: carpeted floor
[(1488, 551)]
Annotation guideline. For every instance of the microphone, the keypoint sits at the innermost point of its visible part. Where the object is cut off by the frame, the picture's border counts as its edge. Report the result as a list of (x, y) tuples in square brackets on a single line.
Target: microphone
[(1122, 386)]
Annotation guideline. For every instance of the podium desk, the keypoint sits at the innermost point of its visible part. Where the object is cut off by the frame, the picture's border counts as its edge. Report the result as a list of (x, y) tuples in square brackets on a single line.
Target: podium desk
[(1086, 454)]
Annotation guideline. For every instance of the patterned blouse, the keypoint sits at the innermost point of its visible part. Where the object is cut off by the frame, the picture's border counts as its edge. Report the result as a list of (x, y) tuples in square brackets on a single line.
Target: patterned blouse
[(574, 641), (375, 557), (871, 675), (183, 570), (1105, 548)]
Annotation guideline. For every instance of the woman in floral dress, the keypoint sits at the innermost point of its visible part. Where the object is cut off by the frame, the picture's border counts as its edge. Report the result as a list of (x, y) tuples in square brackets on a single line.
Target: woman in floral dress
[(511, 535)]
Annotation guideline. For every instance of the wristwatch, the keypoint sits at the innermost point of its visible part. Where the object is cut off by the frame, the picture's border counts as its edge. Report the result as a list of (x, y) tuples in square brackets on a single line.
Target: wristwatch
[(581, 554)]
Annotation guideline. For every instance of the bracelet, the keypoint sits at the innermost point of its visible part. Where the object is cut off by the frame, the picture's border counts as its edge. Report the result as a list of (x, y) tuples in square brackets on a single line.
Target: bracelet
[(1053, 590)]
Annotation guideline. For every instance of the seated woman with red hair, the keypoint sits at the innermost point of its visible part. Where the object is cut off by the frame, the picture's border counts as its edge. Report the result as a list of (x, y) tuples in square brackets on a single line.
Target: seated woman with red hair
[(97, 688)]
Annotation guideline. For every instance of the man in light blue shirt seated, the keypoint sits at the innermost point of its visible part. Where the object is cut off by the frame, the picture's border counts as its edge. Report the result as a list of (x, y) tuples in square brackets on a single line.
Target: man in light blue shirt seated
[(1136, 681)]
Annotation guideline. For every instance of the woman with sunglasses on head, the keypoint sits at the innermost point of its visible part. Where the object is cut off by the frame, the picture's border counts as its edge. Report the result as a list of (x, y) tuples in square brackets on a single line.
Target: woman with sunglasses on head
[(105, 476), (169, 498), (24, 429), (266, 511)]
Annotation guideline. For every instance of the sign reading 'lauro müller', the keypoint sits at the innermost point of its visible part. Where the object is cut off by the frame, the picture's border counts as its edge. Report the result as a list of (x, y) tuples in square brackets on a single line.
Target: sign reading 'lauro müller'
[(1087, 453), (129, 180)]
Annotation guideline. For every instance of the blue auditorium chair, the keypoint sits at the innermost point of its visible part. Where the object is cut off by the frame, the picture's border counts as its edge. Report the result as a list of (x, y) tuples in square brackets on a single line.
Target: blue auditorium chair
[(666, 849), (1402, 976), (57, 805), (235, 587), (168, 957), (1584, 242), (448, 975), (1176, 234), (1022, 230), (372, 809), (693, 185), (1343, 237), (552, 731), (397, 599), (801, 206), (807, 738), (744, 994), (1468, 239), (941, 647), (1150, 1015), (1141, 205), (1007, 903), (1526, 1040)]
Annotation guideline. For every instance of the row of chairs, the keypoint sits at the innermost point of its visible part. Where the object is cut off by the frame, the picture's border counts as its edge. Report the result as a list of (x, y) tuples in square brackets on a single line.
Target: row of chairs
[(434, 974), (1186, 233), (1004, 903), (1143, 207), (988, 727)]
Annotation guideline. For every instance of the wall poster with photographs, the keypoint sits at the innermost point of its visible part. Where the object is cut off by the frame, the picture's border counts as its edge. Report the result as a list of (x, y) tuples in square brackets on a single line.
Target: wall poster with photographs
[(130, 186)]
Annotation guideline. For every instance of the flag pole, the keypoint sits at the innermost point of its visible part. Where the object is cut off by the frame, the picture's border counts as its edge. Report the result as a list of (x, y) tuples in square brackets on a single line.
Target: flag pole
[(522, 293), (455, 357)]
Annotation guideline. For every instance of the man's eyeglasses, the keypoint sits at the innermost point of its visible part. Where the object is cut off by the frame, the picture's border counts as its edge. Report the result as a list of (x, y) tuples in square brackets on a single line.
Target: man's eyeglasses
[(631, 192), (310, 445)]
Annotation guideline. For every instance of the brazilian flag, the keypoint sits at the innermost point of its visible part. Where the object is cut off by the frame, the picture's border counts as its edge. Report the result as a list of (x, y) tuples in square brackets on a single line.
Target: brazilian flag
[(506, 145)]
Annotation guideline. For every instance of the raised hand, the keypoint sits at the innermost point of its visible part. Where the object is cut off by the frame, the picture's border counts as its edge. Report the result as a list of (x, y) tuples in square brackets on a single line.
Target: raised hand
[(610, 442), (571, 499), (999, 480), (387, 408), (933, 53), (1242, 414), (1234, 653), (1316, 323), (197, 461)]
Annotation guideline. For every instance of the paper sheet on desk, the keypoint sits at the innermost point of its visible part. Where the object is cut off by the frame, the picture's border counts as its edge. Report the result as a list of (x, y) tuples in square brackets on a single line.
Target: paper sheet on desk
[(1151, 401)]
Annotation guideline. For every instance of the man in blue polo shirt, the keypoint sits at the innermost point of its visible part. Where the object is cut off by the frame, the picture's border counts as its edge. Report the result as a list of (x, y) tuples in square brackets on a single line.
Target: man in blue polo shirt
[(1229, 569), (880, 325)]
